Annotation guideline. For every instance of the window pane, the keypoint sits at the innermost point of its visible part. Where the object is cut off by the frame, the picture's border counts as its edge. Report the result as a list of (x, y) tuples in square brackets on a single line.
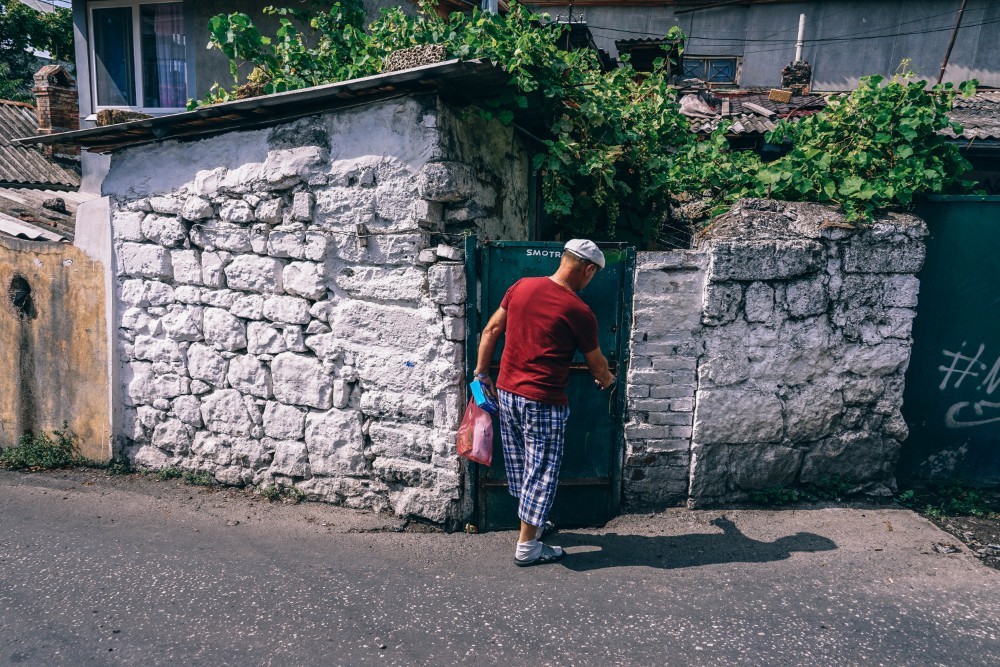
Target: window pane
[(693, 68), (722, 71), (113, 57), (164, 70)]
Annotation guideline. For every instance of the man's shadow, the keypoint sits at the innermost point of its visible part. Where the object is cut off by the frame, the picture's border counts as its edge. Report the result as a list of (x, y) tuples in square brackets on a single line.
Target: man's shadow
[(676, 551)]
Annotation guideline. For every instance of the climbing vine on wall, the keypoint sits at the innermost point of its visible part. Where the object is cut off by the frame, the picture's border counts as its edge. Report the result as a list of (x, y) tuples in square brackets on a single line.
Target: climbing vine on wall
[(618, 151)]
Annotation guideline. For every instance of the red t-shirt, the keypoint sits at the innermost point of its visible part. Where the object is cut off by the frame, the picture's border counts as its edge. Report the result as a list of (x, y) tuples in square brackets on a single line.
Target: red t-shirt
[(546, 323)]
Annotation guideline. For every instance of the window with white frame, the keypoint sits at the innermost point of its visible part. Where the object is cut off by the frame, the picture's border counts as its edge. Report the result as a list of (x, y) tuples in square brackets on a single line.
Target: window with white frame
[(137, 54)]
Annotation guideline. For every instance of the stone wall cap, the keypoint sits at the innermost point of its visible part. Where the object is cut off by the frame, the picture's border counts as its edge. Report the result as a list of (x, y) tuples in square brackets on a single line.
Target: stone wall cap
[(770, 219)]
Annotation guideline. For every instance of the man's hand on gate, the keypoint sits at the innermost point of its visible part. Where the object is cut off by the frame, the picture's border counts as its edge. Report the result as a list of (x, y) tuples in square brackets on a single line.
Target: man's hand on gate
[(605, 382)]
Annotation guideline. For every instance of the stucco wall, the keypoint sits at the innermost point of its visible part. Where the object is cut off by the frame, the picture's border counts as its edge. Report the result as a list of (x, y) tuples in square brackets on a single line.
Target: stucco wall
[(54, 355), (789, 331), (292, 302)]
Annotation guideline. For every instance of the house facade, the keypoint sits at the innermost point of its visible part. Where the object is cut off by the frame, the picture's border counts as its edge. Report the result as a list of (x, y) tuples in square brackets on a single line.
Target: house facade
[(747, 43)]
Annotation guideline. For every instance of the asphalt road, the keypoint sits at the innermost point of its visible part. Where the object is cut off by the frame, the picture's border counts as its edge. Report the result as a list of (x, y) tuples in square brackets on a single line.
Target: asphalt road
[(135, 571)]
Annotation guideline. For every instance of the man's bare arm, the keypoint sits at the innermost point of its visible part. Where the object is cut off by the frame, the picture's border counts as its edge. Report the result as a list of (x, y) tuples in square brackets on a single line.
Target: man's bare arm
[(488, 342), (598, 366)]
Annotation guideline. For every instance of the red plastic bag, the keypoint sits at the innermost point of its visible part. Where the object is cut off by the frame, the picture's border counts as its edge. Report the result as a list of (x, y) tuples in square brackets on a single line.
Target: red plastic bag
[(475, 435)]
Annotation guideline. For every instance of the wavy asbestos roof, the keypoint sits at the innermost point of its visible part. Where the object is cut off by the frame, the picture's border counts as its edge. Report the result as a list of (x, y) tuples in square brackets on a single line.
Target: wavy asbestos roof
[(25, 166)]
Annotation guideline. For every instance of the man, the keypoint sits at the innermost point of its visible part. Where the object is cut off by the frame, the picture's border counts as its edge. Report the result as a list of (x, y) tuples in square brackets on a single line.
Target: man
[(545, 322)]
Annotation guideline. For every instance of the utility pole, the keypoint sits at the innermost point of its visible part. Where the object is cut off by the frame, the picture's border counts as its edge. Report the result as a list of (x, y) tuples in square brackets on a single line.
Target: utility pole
[(951, 42)]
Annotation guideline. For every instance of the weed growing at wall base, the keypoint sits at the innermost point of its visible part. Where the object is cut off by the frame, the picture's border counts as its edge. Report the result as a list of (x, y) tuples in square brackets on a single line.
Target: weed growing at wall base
[(43, 452)]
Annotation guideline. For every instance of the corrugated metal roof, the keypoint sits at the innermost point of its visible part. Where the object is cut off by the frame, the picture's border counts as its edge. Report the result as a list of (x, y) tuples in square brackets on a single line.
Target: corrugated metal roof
[(468, 79), (25, 165), (23, 213), (978, 115)]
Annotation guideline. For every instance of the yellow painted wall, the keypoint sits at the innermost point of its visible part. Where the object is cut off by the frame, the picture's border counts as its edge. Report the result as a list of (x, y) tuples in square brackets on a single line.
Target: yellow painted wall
[(54, 362)]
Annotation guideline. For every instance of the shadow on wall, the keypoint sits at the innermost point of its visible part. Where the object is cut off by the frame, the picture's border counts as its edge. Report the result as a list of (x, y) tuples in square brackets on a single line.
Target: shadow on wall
[(676, 551)]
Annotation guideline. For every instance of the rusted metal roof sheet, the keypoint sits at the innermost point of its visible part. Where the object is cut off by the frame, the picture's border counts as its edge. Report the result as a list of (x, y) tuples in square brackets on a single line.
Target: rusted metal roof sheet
[(25, 165), (471, 79)]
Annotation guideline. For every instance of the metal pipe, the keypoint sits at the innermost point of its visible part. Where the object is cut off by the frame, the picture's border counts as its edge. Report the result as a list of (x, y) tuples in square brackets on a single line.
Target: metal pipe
[(491, 6), (951, 42), (802, 36)]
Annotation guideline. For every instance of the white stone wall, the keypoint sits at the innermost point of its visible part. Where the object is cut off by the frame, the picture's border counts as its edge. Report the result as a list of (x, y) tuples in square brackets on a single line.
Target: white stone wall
[(791, 332), (291, 305)]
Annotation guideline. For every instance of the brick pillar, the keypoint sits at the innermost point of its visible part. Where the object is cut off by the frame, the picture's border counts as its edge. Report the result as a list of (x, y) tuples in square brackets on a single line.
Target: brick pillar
[(797, 77), (56, 102)]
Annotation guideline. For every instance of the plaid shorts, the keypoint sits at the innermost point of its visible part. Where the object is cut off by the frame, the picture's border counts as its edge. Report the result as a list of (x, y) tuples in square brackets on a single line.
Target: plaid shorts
[(533, 435)]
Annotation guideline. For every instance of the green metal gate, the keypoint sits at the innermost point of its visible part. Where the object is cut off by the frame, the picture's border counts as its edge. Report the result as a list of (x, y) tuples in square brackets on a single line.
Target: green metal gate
[(590, 479), (952, 397)]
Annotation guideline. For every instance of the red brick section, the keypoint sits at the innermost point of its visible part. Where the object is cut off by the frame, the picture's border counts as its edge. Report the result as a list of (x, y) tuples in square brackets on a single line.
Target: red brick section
[(56, 104)]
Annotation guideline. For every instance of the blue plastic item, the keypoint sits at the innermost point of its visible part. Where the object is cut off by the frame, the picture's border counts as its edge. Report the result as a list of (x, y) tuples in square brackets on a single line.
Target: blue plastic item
[(484, 397)]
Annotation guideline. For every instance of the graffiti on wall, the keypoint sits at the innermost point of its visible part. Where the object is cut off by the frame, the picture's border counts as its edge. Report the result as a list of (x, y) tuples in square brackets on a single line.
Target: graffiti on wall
[(971, 371)]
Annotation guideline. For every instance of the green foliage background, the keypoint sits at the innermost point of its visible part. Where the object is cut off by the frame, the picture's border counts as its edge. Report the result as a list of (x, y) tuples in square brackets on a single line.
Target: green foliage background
[(23, 29), (618, 151)]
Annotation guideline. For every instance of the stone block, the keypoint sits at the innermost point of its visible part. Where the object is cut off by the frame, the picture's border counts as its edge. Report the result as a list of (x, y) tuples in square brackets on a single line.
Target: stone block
[(144, 386), (255, 274), (722, 303), (284, 422), (729, 472), (212, 266), (446, 282), (306, 279), (341, 394), (383, 283), (737, 416), (334, 441), (236, 212), (764, 259), (144, 260), (454, 328), (173, 436), (263, 338), (166, 204), (302, 206), (286, 243), (759, 301), (864, 254), (811, 411), (301, 380), (287, 309), (248, 375), (196, 208), (291, 459), (901, 291), (187, 266), (446, 182), (726, 369), (855, 457), (221, 236), (450, 253), (220, 298), (401, 441), (188, 294), (183, 323), (223, 411), (127, 226), (248, 306), (878, 360), (286, 167), (428, 214), (269, 211), (223, 331), (165, 230), (207, 181), (804, 298), (362, 323), (187, 409), (207, 364)]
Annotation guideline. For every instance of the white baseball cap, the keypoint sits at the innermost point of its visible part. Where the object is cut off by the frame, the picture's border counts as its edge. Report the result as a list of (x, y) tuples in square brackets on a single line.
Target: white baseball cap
[(587, 250)]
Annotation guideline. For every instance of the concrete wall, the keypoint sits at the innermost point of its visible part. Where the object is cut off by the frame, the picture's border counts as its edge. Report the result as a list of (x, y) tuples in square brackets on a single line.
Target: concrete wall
[(292, 301), (857, 37), (790, 333), (54, 355)]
